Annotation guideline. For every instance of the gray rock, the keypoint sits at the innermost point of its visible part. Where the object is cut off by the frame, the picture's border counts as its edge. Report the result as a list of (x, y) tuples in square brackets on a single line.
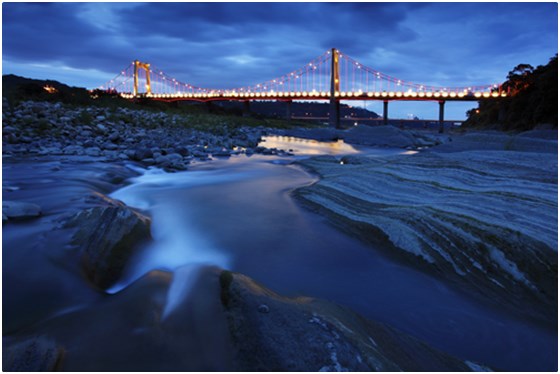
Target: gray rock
[(305, 334), (93, 151), (110, 146), (20, 210), (8, 130), (34, 354), (106, 237)]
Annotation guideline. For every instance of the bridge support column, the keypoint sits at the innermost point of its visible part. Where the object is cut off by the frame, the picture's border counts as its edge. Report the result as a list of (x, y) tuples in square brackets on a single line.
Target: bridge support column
[(246, 108), (334, 113), (385, 112), (289, 110), (334, 107), (441, 115)]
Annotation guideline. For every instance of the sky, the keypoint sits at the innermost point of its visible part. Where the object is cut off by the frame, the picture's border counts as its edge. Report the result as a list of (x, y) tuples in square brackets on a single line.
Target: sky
[(228, 45)]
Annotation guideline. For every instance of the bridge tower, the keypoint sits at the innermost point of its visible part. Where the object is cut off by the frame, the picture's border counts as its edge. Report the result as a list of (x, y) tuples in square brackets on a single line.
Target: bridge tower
[(137, 66), (334, 108)]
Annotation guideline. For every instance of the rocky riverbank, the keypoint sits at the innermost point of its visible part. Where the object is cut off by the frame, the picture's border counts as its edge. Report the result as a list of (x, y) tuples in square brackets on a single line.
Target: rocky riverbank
[(480, 210), (162, 139)]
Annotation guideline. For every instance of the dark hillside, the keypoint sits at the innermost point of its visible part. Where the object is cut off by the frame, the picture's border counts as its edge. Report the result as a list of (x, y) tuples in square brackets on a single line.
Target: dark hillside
[(533, 101)]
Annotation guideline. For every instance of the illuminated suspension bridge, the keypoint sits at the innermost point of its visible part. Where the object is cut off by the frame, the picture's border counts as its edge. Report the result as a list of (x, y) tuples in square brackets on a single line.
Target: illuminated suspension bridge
[(333, 76)]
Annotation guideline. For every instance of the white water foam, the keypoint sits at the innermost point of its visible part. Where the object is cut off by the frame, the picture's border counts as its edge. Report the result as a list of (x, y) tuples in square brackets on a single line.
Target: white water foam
[(176, 242)]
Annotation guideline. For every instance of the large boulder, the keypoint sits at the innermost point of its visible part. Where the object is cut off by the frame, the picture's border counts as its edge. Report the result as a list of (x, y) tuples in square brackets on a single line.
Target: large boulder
[(20, 210), (275, 333), (33, 354), (107, 236)]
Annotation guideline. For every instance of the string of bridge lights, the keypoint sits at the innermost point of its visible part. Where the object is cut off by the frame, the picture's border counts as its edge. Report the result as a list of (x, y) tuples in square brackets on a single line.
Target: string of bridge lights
[(311, 81)]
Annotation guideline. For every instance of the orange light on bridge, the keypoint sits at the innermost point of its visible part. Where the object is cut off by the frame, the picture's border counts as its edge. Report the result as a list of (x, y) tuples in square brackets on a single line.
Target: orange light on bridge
[(370, 94), (377, 94), (384, 94), (486, 94), (437, 94), (477, 94), (429, 94), (399, 94), (453, 94)]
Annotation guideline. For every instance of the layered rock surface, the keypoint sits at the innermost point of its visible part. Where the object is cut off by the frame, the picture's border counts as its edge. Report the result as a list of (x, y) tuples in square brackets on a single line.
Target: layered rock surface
[(486, 220)]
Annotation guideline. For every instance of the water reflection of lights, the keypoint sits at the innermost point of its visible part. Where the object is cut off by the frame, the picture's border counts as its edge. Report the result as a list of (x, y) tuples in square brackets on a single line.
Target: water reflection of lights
[(302, 146)]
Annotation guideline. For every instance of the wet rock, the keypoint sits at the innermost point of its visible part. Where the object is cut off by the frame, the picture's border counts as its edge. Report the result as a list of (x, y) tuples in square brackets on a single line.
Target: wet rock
[(305, 334), (93, 151), (20, 210), (106, 237), (34, 354), (484, 220)]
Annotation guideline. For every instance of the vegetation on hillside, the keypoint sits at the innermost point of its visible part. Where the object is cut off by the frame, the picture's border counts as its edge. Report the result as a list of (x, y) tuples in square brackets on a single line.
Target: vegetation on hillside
[(532, 101), (203, 116)]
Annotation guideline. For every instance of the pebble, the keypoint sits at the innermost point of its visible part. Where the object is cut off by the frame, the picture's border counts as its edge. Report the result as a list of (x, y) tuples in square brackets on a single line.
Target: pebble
[(263, 308)]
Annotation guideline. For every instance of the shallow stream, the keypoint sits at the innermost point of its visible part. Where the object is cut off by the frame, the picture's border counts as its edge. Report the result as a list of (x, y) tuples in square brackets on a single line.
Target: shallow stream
[(237, 213)]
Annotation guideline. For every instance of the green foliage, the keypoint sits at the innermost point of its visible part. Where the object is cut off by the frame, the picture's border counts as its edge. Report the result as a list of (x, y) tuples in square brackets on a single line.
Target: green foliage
[(532, 100)]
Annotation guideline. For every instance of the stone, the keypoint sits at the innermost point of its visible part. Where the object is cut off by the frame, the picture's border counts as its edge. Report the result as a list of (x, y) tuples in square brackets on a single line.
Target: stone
[(107, 236), (306, 334), (34, 354), (20, 210), (93, 151)]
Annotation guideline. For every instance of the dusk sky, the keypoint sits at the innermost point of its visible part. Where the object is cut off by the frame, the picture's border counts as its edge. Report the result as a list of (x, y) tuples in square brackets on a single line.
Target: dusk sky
[(227, 45)]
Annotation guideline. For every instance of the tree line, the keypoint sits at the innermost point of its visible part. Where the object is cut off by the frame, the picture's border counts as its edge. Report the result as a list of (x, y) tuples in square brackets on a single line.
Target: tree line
[(532, 100)]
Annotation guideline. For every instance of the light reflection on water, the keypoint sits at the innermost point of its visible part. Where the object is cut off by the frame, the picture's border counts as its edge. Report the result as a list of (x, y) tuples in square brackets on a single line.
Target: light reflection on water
[(300, 146)]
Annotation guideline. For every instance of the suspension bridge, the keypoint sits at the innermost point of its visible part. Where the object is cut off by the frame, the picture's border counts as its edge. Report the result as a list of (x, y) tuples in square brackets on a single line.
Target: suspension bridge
[(332, 77)]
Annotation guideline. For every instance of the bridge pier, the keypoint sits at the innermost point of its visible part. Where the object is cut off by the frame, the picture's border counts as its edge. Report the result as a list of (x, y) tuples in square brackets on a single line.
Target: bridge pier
[(441, 116), (334, 113), (289, 110), (246, 108), (385, 112)]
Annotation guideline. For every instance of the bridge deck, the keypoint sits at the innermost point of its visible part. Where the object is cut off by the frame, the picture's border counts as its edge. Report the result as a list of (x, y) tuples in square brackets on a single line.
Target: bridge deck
[(288, 96)]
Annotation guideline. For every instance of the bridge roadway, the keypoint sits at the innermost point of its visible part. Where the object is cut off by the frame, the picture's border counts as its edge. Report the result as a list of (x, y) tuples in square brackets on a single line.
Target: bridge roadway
[(246, 97), (339, 96)]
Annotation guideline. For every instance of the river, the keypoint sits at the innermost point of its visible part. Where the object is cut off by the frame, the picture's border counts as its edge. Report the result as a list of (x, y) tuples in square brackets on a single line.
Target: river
[(237, 213)]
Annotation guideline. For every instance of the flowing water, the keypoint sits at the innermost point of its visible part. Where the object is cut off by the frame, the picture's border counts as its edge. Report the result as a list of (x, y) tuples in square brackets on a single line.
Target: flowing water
[(237, 214)]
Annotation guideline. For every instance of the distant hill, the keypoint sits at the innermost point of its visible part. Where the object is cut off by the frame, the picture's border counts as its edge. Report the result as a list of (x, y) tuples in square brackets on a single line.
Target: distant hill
[(533, 101), (19, 88)]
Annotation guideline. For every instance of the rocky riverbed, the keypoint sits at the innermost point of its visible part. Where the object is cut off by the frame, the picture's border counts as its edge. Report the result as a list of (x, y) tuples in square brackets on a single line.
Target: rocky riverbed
[(151, 138), (483, 220)]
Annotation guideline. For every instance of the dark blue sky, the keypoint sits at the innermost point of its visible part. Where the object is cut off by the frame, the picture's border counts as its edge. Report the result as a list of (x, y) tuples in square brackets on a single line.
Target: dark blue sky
[(226, 45)]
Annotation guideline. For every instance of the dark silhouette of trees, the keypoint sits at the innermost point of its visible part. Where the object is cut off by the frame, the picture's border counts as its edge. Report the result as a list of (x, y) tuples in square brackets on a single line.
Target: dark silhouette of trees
[(532, 100)]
